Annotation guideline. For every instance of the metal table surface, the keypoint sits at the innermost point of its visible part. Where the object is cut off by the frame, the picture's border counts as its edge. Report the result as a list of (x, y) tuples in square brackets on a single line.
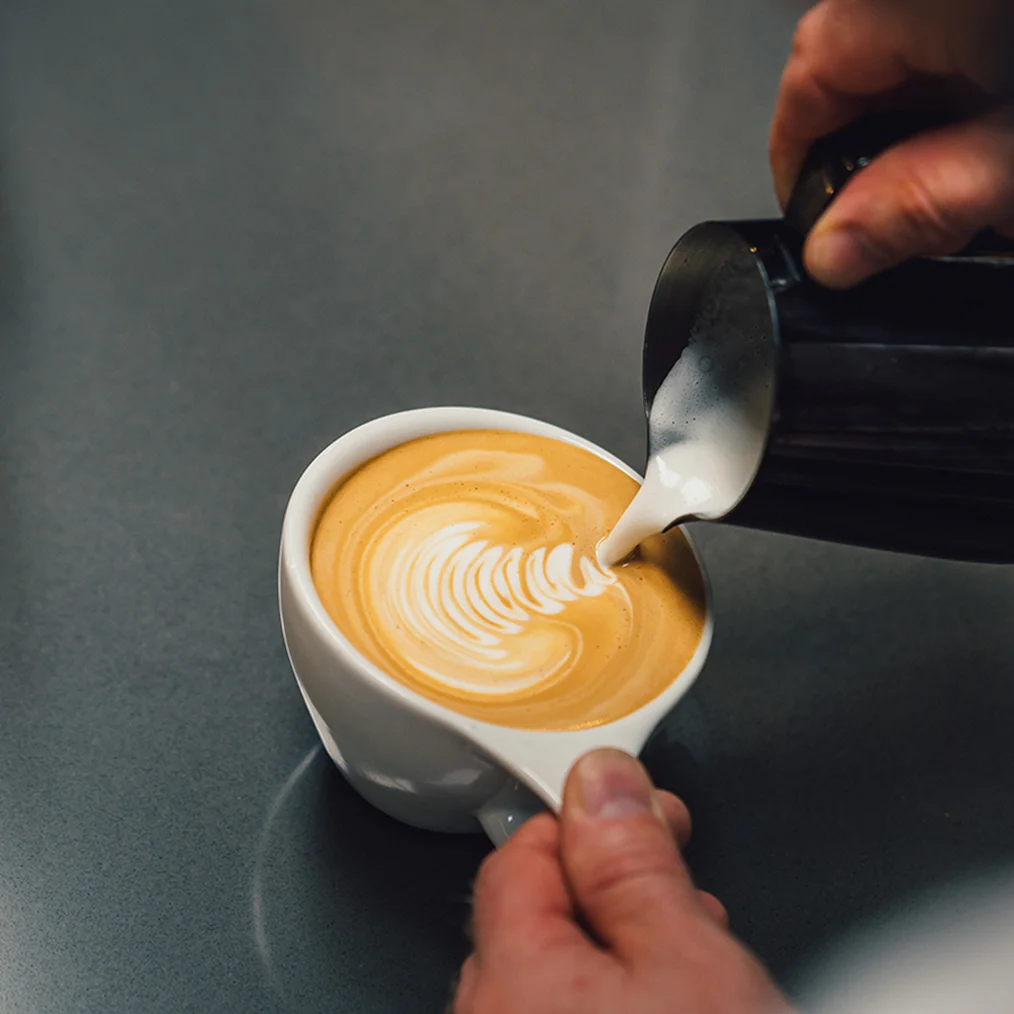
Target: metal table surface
[(231, 231)]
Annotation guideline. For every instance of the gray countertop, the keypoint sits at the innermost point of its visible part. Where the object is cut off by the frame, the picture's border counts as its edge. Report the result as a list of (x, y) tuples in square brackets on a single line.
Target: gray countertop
[(231, 231)]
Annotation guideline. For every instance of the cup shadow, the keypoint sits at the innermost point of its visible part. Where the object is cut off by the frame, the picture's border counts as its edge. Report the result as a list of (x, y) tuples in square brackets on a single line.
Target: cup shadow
[(339, 888)]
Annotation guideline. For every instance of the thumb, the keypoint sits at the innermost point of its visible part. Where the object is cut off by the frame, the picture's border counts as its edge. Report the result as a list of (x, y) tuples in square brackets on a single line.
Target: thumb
[(624, 870), (925, 197)]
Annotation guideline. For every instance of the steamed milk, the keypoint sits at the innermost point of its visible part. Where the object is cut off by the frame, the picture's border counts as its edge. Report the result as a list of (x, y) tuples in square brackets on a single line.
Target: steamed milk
[(464, 565), (705, 451)]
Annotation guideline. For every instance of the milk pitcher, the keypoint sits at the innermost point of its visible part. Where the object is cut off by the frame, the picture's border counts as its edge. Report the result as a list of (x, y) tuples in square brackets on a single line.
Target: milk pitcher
[(880, 416)]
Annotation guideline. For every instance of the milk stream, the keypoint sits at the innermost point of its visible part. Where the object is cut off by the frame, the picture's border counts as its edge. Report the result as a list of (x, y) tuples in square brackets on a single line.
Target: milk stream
[(680, 483), (703, 456)]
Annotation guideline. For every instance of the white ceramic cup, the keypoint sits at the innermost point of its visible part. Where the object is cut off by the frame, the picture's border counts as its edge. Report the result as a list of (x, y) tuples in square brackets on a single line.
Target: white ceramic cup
[(414, 759)]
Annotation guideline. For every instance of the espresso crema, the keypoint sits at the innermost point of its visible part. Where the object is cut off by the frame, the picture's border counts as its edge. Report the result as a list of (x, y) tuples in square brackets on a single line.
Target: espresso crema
[(464, 566)]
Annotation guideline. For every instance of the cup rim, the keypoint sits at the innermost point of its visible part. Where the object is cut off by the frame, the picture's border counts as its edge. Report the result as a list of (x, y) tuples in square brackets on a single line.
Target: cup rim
[(383, 433)]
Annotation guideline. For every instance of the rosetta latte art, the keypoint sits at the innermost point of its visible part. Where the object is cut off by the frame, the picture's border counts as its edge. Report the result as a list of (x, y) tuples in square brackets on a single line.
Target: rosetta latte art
[(466, 599), (464, 565)]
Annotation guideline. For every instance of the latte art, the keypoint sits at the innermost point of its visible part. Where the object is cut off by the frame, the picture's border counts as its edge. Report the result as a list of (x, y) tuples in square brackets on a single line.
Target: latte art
[(464, 565), (459, 597)]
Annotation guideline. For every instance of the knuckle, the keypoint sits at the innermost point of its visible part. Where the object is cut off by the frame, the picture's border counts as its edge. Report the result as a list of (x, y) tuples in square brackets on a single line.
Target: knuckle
[(585, 992), (565, 986), (715, 909), (677, 813), (924, 222), (810, 30), (636, 855)]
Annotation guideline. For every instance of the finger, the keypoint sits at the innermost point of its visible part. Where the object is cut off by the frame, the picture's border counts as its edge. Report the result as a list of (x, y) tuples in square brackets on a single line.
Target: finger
[(715, 909), (521, 901), (620, 858), (842, 55), (927, 196), (851, 55), (464, 993), (677, 816)]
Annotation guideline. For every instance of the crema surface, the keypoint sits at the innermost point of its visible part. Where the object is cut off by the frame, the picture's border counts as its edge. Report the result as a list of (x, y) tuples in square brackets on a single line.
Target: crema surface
[(464, 566)]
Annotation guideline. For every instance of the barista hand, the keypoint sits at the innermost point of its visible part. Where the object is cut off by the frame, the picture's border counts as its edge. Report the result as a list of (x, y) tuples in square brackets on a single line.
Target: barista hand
[(597, 914), (928, 195)]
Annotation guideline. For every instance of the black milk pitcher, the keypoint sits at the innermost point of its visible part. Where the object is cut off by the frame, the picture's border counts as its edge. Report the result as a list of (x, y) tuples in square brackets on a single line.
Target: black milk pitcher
[(884, 415)]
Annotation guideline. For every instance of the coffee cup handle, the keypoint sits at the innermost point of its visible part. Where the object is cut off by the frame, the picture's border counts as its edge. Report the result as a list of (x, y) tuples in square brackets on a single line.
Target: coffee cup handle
[(508, 810), (539, 763)]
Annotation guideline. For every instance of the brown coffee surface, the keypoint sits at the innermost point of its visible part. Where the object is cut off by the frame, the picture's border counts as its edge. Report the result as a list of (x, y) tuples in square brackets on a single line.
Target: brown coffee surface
[(463, 565)]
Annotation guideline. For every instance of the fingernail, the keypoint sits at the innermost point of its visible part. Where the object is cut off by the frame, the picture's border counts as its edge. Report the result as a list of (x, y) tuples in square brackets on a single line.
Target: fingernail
[(612, 785), (839, 257)]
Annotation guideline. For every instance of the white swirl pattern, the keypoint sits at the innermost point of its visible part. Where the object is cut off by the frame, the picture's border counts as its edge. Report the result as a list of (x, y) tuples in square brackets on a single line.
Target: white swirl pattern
[(464, 597)]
